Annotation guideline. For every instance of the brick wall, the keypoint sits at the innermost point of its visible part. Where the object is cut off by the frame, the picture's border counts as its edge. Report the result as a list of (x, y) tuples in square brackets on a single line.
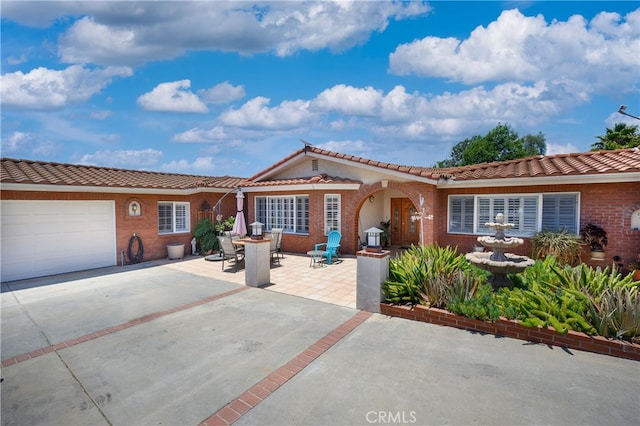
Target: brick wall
[(607, 205), (145, 225)]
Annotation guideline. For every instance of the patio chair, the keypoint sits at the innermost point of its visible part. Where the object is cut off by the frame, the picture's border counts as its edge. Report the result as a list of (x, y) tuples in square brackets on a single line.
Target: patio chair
[(278, 232), (229, 252), (273, 246), (331, 246)]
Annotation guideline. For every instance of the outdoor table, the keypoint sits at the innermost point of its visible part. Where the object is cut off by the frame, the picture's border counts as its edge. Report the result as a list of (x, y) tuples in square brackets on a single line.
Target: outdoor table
[(316, 257)]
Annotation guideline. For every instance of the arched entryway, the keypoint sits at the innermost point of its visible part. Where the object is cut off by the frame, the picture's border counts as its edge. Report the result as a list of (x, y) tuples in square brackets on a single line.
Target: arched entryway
[(391, 210)]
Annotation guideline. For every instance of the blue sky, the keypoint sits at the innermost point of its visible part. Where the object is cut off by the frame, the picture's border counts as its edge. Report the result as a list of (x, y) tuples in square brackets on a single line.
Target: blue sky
[(229, 88)]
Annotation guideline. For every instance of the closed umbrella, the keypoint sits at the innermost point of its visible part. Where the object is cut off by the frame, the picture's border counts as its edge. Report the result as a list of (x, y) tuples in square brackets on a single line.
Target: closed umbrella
[(240, 226)]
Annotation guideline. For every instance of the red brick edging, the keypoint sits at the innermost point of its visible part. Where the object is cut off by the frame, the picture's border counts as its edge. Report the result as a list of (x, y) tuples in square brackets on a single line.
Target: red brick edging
[(511, 328), (231, 412), (116, 328)]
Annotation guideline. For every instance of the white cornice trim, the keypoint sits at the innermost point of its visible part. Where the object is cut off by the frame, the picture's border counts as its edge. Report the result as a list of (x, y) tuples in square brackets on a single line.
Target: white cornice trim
[(107, 189), (547, 180)]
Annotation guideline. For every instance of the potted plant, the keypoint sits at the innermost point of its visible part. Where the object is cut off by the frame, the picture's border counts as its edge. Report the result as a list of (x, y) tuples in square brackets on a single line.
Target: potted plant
[(596, 238), (634, 268)]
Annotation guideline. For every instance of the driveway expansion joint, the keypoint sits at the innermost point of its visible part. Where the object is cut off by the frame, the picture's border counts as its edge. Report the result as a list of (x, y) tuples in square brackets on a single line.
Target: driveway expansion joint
[(116, 328), (231, 412)]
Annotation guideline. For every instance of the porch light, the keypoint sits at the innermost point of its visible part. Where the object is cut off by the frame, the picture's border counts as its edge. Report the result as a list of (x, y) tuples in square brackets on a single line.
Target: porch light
[(256, 230), (373, 239)]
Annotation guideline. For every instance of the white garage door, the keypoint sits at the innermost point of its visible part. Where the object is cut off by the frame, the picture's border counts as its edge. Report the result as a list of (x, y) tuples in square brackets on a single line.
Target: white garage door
[(51, 237)]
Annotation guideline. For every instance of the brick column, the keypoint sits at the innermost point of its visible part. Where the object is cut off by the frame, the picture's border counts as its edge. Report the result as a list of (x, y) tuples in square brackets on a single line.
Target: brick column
[(373, 269)]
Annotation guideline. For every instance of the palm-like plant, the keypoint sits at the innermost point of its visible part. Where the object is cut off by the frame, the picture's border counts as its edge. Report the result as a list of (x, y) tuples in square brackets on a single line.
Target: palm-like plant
[(621, 136)]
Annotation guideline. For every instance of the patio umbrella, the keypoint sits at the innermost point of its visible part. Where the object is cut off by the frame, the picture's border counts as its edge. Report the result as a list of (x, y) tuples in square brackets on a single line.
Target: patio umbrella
[(240, 226)]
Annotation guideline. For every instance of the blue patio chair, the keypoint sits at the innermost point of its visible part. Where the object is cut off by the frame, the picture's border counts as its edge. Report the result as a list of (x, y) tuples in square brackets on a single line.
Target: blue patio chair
[(331, 246)]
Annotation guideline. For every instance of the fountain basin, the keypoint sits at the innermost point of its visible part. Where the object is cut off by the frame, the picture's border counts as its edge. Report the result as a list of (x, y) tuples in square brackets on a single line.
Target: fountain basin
[(499, 269), (506, 243)]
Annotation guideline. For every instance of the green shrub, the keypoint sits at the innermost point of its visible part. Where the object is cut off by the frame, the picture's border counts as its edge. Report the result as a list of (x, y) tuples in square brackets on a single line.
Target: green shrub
[(565, 246), (481, 305), (205, 236), (425, 275)]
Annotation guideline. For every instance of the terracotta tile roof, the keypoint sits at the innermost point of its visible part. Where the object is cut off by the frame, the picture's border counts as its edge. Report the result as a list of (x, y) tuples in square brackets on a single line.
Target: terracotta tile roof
[(38, 172), (587, 163), (321, 178)]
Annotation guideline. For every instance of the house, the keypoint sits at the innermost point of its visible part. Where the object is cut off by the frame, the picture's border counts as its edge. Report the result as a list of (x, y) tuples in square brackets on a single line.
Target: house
[(313, 191), (60, 217)]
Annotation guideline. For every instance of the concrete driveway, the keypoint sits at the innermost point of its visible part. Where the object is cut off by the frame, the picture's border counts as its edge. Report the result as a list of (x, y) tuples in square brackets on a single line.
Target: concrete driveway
[(150, 344)]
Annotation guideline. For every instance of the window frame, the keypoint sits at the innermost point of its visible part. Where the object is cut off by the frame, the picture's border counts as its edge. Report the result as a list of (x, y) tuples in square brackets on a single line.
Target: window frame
[(175, 206), (523, 198), (276, 209), (337, 225)]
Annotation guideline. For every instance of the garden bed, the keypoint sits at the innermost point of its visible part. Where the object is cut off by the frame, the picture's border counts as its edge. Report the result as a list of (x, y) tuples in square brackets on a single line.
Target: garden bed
[(511, 328)]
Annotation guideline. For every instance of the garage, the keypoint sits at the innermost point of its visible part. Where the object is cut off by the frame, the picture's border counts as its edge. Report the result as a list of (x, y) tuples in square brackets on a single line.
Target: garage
[(51, 237)]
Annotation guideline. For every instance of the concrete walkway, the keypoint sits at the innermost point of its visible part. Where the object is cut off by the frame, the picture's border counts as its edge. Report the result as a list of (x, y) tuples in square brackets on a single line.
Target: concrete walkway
[(150, 344)]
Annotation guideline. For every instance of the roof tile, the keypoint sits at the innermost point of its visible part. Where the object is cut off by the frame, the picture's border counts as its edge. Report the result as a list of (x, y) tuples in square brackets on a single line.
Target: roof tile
[(37, 172)]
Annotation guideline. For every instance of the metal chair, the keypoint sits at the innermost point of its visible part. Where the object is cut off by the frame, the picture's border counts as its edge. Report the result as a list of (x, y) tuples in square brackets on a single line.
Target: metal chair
[(331, 246), (229, 252), (277, 232), (273, 246)]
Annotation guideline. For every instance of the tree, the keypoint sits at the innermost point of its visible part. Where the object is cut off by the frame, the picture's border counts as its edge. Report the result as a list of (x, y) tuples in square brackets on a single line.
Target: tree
[(621, 136), (499, 144)]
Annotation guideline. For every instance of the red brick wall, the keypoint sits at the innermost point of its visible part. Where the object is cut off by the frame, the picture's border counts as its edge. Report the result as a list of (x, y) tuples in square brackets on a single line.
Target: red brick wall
[(145, 225), (607, 205)]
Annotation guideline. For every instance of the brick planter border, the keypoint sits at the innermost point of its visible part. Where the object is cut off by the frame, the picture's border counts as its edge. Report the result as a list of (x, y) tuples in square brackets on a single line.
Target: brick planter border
[(511, 328)]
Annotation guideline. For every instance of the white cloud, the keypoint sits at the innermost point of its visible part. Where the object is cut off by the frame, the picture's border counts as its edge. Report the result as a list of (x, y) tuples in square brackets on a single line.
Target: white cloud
[(17, 60), (526, 49), (553, 149), (356, 147), (172, 97), (222, 93), (256, 114), (349, 100), (136, 159), (207, 165), (137, 32), (196, 135), (15, 141), (100, 115), (43, 88)]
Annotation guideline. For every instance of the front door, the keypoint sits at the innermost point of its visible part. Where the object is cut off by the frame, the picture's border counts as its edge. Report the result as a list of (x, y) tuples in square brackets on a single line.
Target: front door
[(404, 231)]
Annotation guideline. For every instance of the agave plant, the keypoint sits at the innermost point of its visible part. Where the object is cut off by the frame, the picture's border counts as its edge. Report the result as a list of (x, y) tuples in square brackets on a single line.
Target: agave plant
[(564, 245)]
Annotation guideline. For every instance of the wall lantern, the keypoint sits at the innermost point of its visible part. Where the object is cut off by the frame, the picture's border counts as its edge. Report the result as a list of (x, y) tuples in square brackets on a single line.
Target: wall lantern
[(372, 199), (256, 230), (373, 240)]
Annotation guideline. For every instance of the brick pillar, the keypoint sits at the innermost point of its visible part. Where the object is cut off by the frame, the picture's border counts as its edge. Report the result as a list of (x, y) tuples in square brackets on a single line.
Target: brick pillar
[(373, 269)]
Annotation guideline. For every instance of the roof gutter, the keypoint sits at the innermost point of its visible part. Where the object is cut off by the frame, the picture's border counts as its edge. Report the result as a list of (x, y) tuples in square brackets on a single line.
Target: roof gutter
[(545, 180)]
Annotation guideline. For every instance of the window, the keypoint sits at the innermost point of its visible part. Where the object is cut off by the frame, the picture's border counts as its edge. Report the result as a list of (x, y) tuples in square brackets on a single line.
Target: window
[(461, 214), (290, 213), (560, 211), (529, 213), (173, 217), (331, 213)]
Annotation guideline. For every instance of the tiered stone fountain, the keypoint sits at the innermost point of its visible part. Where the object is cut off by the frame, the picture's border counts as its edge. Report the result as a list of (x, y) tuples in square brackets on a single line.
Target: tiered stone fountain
[(497, 261)]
